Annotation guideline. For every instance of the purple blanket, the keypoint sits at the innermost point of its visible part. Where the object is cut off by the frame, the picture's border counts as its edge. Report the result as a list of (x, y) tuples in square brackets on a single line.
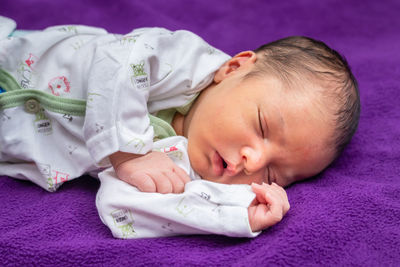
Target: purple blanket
[(348, 215)]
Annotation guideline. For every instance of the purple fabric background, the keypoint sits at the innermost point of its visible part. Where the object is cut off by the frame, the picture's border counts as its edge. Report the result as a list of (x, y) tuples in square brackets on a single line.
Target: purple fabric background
[(349, 215)]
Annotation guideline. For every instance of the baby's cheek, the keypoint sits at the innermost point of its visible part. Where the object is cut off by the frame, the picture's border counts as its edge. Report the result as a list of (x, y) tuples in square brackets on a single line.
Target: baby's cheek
[(198, 165)]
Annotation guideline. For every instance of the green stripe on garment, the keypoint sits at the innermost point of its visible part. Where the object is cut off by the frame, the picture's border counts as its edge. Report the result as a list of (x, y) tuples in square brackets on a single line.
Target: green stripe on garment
[(15, 95), (7, 82), (162, 129), (75, 107)]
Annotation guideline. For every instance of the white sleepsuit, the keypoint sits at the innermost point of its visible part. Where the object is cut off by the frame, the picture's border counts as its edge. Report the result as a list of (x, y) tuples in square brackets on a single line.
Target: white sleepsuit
[(72, 95), (204, 207)]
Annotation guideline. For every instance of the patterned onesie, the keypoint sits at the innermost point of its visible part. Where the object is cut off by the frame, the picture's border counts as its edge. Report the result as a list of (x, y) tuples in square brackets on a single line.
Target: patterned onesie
[(72, 95)]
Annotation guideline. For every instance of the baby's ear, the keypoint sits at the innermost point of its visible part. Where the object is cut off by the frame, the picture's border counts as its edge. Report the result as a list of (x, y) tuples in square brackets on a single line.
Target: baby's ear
[(241, 62)]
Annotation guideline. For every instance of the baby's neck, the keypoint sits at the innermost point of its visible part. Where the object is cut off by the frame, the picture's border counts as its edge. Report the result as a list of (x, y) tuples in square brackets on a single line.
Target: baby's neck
[(177, 123), (181, 123)]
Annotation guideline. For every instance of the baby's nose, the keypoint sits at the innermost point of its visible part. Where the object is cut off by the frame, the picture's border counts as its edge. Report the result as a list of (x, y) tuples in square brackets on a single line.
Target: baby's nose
[(253, 160)]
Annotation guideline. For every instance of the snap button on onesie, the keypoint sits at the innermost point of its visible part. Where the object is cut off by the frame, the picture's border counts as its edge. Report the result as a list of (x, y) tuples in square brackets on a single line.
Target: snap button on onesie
[(32, 106)]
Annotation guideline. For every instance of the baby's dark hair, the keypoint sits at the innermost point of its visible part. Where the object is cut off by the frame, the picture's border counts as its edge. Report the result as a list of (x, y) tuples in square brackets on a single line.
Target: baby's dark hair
[(297, 58)]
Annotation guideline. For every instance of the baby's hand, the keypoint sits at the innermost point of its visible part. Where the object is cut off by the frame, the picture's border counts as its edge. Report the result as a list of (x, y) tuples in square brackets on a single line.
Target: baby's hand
[(269, 206), (153, 172)]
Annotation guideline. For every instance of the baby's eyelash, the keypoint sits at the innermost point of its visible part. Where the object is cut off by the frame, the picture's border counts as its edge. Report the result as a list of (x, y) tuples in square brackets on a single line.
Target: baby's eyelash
[(260, 123)]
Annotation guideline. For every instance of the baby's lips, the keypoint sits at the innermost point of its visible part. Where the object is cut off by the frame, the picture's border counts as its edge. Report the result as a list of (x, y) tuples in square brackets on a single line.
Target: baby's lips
[(231, 169), (230, 172), (217, 164)]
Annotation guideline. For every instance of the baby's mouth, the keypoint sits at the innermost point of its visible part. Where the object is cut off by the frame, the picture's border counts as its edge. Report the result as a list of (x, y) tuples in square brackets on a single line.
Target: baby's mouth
[(219, 164), (228, 169), (224, 163), (222, 167)]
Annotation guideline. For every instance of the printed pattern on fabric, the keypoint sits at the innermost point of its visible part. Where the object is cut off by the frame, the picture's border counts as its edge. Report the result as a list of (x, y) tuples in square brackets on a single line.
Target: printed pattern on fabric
[(122, 79), (204, 207)]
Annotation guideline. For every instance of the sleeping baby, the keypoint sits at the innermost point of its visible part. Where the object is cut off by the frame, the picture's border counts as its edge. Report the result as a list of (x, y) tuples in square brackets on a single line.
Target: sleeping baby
[(184, 138)]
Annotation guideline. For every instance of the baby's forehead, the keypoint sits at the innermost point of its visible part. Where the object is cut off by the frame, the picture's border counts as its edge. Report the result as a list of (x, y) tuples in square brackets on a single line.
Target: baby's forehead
[(291, 87), (302, 99)]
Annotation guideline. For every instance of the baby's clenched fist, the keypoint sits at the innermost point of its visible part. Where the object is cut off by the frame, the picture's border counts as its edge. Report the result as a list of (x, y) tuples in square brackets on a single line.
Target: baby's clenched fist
[(154, 172), (269, 206)]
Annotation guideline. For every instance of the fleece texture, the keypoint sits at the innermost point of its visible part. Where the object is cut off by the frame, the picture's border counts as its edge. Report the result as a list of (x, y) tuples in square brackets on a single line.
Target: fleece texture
[(348, 216)]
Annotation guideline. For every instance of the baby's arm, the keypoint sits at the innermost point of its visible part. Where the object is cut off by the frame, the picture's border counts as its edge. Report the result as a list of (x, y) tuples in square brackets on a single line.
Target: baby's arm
[(203, 208), (269, 206), (153, 172)]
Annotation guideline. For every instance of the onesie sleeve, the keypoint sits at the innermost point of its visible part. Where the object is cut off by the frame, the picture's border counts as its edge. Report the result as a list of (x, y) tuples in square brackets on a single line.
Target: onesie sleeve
[(7, 26), (139, 73), (203, 208)]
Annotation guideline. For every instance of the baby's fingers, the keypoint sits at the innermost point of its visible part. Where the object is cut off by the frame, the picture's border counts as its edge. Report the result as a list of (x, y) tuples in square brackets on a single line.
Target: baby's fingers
[(143, 182), (183, 176), (163, 183), (259, 190), (281, 191), (275, 205), (270, 209), (263, 216), (177, 184)]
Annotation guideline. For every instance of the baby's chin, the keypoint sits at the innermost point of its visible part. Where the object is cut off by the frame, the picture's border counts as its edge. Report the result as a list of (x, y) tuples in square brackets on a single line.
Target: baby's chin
[(202, 171)]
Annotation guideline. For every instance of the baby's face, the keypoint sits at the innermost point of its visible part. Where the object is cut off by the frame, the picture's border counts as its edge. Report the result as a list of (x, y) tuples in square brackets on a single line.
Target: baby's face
[(244, 131)]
